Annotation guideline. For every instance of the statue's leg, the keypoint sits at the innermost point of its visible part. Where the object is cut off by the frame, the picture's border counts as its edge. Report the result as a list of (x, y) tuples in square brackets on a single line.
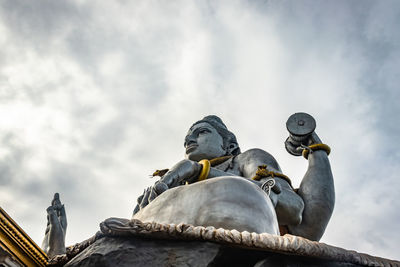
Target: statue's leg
[(226, 202)]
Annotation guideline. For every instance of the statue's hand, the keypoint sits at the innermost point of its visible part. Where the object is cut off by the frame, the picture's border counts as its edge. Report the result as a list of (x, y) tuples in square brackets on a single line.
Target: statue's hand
[(296, 148), (54, 240), (60, 211), (184, 171), (149, 195)]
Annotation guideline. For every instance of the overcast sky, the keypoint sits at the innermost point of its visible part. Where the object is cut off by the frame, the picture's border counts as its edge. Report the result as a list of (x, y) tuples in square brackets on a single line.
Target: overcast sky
[(96, 95)]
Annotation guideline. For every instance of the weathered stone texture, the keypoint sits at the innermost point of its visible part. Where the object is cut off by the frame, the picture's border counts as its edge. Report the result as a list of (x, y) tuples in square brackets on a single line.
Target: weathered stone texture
[(123, 242), (133, 251), (145, 252)]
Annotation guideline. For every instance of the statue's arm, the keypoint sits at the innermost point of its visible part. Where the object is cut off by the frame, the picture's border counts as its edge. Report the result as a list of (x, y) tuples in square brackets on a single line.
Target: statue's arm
[(318, 193), (288, 205), (185, 170), (218, 173)]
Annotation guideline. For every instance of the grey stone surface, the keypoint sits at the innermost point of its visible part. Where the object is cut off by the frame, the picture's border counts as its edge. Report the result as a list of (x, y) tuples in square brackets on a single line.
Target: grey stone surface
[(292, 261), (123, 242), (146, 252), (125, 252)]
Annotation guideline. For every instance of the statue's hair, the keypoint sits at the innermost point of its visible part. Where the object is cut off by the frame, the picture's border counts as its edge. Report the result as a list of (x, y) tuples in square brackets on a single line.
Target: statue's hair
[(228, 137)]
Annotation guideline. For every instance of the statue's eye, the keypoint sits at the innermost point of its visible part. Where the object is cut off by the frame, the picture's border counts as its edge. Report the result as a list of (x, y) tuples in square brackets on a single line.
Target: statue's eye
[(204, 131)]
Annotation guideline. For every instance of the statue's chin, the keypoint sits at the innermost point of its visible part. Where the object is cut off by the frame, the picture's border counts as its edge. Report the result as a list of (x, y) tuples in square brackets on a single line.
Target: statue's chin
[(196, 156), (226, 202)]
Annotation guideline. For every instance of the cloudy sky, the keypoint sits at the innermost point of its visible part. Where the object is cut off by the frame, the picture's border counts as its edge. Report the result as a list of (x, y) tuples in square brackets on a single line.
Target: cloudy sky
[(96, 95)]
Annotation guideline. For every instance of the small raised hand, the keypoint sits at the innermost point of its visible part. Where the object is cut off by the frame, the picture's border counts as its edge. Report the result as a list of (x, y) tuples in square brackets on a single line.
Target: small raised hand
[(54, 240)]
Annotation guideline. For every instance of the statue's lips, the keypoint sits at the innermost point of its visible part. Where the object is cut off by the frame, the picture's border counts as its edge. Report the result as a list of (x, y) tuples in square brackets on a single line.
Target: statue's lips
[(191, 148)]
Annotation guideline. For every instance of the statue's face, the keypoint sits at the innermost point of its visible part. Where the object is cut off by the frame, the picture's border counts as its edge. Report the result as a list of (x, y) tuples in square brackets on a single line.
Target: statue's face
[(203, 142)]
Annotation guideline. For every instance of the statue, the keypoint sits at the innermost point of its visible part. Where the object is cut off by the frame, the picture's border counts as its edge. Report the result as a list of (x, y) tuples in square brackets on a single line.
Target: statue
[(218, 185), (248, 190), (54, 240)]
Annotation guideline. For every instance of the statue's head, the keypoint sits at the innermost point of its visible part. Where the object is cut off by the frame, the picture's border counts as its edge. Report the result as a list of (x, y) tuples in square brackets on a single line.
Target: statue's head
[(209, 138)]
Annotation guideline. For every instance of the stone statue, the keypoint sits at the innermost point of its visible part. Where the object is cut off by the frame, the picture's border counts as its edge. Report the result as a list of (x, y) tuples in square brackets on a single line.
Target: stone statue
[(217, 185), (248, 190), (54, 240)]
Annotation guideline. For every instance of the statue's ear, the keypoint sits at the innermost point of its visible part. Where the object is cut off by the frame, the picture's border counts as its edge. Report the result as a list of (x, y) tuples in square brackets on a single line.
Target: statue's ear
[(231, 149)]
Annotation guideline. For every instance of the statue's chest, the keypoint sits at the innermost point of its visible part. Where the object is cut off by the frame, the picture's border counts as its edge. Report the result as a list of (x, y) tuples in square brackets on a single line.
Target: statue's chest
[(229, 166)]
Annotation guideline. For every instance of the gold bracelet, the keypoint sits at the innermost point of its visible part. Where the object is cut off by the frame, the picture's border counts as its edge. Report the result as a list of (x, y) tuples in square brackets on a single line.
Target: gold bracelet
[(316, 147), (205, 170)]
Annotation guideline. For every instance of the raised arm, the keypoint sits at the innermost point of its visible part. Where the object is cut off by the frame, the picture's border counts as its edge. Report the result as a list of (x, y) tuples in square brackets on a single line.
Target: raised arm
[(318, 193), (288, 205)]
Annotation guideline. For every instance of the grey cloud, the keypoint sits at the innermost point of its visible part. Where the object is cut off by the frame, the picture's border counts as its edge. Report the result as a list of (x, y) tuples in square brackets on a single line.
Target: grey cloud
[(14, 157), (368, 34), (37, 24)]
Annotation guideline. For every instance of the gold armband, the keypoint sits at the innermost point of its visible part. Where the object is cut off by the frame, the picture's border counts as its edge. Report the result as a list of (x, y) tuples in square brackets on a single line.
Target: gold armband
[(316, 147), (263, 172), (205, 170)]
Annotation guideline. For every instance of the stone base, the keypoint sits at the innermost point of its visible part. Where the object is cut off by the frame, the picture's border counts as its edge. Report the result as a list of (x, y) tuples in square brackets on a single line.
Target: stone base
[(138, 251), (123, 242)]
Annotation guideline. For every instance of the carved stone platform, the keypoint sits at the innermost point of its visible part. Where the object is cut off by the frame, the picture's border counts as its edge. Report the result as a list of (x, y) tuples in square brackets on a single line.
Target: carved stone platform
[(124, 242)]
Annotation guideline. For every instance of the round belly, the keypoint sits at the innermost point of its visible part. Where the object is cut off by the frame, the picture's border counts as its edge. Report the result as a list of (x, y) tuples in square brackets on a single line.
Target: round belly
[(226, 202)]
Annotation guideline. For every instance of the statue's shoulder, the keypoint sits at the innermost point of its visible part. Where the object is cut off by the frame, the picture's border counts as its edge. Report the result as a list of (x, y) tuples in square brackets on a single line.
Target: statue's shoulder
[(259, 156), (255, 153)]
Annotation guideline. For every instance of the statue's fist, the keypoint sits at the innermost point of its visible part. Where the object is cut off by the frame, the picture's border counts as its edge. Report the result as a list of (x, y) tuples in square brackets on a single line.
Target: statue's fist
[(149, 195), (301, 127)]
